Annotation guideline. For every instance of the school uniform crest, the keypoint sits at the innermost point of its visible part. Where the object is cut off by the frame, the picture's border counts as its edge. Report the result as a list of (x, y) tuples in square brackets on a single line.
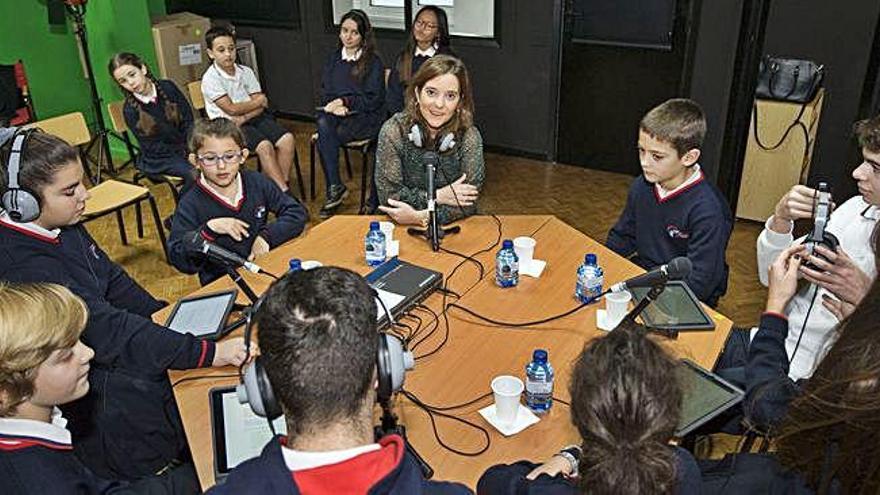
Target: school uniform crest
[(676, 233), (260, 212)]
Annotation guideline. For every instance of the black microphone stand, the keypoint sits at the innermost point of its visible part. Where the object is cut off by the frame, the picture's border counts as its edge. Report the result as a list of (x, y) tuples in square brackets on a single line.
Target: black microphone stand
[(248, 292), (652, 295), (434, 233), (390, 426)]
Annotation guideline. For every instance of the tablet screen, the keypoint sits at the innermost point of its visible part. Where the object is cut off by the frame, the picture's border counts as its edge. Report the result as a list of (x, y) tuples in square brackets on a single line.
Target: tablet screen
[(676, 307), (239, 434), (201, 315), (705, 396)]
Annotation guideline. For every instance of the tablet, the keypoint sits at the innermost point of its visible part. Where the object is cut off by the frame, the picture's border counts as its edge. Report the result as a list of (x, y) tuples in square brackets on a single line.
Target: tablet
[(705, 396), (203, 315), (238, 433), (677, 308)]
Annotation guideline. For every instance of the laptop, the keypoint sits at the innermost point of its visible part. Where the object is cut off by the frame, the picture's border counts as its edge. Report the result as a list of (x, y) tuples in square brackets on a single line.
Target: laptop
[(401, 286)]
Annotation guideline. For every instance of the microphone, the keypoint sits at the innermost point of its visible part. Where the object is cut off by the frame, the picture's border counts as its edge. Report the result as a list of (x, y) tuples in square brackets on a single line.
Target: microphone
[(199, 244), (431, 163), (676, 269)]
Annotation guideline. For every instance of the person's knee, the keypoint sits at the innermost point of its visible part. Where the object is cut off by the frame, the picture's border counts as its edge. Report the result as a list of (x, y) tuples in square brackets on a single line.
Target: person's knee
[(265, 149), (286, 142)]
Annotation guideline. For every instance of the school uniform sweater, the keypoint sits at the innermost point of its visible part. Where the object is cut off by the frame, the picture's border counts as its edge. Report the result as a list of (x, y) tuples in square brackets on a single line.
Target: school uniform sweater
[(168, 141), (365, 96), (388, 470), (695, 221), (395, 99), (127, 425), (37, 458), (259, 197)]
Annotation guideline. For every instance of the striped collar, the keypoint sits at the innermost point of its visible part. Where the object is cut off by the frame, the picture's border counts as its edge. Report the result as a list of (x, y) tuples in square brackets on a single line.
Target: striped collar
[(236, 201), (21, 433), (30, 229), (150, 98), (695, 178)]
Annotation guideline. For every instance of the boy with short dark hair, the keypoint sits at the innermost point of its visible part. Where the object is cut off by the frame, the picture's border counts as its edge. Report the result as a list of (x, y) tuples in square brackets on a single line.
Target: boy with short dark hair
[(671, 210), (233, 91), (318, 343)]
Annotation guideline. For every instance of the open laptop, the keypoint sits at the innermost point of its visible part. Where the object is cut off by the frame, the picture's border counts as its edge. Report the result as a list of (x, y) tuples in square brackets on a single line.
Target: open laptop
[(401, 286)]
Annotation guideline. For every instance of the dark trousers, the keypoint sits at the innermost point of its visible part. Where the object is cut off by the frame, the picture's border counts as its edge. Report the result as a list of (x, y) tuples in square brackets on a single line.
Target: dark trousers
[(176, 166), (333, 132)]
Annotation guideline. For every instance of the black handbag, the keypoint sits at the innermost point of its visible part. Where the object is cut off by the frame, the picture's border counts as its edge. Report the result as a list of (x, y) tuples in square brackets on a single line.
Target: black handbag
[(786, 79)]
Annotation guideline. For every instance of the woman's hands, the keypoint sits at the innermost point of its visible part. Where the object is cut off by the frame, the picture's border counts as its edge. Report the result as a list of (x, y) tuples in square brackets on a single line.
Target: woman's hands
[(404, 214), (458, 193), (783, 278)]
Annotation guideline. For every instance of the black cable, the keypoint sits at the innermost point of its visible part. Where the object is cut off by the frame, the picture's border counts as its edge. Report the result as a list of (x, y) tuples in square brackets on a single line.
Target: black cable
[(439, 412), (524, 323), (557, 399), (804, 325), (205, 377)]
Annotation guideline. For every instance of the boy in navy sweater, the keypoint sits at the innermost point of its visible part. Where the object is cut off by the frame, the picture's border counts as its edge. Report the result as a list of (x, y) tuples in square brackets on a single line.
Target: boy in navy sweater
[(127, 426), (671, 210), (229, 207), (319, 351), (45, 365)]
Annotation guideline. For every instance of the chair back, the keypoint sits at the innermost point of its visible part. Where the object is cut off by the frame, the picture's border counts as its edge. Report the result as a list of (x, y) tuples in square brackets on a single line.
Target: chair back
[(195, 95), (117, 117), (70, 127)]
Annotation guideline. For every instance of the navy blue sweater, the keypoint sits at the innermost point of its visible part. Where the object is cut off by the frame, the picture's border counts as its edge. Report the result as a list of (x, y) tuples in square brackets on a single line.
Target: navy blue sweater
[(41, 468), (168, 140), (510, 479), (769, 390), (269, 474), (694, 222), (127, 425), (755, 473), (365, 96), (260, 197)]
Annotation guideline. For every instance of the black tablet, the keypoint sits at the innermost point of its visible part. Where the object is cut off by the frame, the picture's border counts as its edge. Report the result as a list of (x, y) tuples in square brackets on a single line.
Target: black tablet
[(706, 395), (677, 308), (238, 434), (203, 315)]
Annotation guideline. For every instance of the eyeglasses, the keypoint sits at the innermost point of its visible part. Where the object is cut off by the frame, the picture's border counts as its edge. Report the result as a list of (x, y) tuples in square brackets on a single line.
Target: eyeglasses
[(425, 24), (229, 158)]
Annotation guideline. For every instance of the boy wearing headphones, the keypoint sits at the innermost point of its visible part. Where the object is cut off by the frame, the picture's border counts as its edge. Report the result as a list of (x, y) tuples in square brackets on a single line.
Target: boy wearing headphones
[(671, 210), (318, 338)]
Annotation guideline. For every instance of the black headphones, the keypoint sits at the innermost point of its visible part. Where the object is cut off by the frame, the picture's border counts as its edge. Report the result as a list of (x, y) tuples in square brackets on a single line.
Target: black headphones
[(818, 236), (446, 143), (20, 203), (392, 362)]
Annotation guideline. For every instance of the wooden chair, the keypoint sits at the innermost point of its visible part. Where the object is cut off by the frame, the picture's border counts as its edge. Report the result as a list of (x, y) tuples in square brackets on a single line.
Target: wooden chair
[(117, 119), (198, 102), (364, 146), (110, 196)]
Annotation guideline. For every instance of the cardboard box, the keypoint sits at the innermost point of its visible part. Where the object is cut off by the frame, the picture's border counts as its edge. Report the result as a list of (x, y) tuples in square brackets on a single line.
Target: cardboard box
[(179, 40)]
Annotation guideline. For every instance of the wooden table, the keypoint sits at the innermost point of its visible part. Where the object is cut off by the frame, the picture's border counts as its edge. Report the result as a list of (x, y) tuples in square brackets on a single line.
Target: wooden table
[(475, 351)]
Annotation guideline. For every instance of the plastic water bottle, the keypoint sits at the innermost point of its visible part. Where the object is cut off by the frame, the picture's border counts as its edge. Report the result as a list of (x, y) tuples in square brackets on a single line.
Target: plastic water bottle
[(295, 265), (590, 279), (374, 245), (506, 265), (539, 383)]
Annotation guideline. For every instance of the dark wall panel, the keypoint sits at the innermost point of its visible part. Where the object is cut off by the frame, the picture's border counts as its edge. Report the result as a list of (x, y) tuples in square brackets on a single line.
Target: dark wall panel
[(841, 38)]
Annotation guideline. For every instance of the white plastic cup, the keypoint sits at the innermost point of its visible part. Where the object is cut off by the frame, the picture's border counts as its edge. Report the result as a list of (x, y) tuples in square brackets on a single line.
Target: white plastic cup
[(387, 228), (392, 248), (524, 247), (507, 390), (616, 306), (310, 264)]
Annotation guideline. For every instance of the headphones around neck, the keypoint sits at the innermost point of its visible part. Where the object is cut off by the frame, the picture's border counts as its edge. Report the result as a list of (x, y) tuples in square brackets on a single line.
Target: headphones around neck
[(444, 144), (21, 204), (392, 362)]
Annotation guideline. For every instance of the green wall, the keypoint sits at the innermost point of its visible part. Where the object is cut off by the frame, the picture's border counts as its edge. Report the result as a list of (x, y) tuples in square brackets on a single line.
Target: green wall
[(51, 56)]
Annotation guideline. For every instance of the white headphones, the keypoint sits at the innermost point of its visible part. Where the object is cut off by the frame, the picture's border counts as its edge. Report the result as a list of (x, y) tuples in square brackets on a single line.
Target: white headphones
[(21, 204), (446, 143)]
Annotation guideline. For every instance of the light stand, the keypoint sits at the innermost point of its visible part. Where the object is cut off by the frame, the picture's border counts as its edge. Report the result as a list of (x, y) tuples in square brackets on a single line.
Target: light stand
[(434, 233), (77, 11), (390, 426)]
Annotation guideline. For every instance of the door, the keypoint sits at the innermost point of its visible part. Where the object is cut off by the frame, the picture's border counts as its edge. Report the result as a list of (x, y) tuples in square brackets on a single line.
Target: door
[(619, 59)]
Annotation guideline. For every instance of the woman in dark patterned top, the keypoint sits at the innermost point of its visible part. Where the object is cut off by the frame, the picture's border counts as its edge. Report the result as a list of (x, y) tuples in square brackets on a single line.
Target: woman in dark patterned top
[(438, 118)]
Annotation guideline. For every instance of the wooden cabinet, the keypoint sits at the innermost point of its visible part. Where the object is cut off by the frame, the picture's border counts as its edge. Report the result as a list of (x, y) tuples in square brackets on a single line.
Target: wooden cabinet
[(768, 174)]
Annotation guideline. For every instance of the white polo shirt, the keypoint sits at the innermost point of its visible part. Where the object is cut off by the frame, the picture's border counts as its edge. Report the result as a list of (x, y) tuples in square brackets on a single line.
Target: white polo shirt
[(217, 83)]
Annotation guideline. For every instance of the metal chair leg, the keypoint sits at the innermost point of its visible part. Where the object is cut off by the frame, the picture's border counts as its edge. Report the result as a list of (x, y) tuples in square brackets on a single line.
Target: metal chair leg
[(299, 176), (139, 219), (120, 222), (312, 168), (347, 162), (365, 168), (159, 228)]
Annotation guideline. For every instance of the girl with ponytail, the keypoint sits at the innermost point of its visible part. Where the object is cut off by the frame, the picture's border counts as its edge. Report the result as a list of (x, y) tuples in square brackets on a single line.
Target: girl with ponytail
[(626, 404), (159, 116)]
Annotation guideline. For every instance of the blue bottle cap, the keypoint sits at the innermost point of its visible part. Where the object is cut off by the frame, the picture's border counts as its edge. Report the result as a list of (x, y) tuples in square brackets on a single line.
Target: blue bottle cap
[(540, 355), (507, 244), (590, 259), (374, 225), (295, 264)]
